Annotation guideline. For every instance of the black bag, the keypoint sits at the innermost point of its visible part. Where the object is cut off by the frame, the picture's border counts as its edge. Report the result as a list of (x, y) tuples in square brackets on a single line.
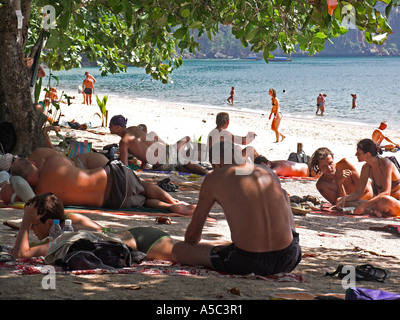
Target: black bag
[(87, 255), (299, 157)]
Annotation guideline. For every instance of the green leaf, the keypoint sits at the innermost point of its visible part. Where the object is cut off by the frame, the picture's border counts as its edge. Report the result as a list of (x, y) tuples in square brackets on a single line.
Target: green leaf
[(185, 13), (196, 25), (321, 35), (180, 33)]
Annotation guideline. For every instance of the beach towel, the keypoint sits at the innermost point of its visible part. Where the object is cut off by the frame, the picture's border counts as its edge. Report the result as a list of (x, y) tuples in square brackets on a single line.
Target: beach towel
[(357, 293), (78, 147), (31, 266)]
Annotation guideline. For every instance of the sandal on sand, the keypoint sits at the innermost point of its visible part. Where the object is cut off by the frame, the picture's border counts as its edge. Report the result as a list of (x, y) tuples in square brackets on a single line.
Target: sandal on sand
[(300, 209), (365, 272), (166, 185)]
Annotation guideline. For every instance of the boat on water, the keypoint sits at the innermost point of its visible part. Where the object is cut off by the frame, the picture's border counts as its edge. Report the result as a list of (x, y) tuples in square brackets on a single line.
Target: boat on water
[(280, 59)]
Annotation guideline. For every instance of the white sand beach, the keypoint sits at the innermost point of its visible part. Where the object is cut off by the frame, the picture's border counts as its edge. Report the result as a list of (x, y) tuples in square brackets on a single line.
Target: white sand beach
[(326, 240)]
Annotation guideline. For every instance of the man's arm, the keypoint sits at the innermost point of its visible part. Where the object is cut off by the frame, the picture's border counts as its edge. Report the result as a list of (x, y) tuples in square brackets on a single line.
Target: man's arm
[(204, 205), (22, 248), (123, 152)]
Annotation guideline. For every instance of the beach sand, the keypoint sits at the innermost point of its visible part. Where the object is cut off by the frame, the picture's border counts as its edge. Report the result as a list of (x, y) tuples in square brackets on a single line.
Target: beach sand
[(326, 240)]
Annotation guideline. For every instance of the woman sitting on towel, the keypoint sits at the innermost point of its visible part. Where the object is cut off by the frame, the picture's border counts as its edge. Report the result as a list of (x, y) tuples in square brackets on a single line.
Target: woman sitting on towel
[(385, 182)]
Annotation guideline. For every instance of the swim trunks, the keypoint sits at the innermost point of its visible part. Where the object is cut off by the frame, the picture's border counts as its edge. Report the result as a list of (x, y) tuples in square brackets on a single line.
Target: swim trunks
[(233, 260), (147, 237), (88, 91), (124, 189)]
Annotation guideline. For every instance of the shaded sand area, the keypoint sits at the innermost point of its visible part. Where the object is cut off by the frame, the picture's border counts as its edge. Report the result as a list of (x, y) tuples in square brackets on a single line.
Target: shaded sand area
[(327, 239)]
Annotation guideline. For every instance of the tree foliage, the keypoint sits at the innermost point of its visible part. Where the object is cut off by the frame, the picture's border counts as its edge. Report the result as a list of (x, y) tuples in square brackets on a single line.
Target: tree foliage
[(152, 33)]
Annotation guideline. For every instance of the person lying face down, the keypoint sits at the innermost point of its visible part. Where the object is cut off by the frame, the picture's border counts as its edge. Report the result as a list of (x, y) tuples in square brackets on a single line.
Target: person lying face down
[(40, 211), (337, 179), (98, 187), (286, 168)]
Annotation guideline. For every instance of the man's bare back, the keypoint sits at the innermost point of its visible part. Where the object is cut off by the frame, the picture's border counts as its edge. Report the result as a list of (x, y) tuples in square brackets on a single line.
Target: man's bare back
[(256, 208), (134, 142)]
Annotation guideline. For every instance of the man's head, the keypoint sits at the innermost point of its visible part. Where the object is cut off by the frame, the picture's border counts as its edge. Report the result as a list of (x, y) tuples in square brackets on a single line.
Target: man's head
[(26, 169), (143, 127), (383, 125), (222, 120), (263, 161), (118, 124), (322, 161), (48, 207)]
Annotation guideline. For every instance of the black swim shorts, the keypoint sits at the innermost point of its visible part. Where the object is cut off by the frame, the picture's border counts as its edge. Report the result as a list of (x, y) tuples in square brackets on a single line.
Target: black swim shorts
[(231, 259), (88, 91)]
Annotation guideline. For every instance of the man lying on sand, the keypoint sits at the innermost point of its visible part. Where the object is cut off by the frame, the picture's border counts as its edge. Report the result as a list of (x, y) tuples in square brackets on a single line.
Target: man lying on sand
[(40, 211), (337, 180), (221, 133), (111, 186), (286, 168), (258, 213), (378, 137), (136, 142)]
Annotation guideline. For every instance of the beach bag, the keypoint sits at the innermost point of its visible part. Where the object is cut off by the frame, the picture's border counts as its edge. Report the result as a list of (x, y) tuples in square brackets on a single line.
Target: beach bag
[(78, 147), (299, 157), (87, 255), (369, 294)]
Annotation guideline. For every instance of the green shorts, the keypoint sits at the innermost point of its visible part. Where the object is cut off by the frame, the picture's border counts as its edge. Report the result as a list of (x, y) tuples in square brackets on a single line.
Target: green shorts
[(147, 237)]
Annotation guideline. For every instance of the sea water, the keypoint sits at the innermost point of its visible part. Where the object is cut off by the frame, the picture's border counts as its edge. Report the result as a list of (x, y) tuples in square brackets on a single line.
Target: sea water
[(207, 83)]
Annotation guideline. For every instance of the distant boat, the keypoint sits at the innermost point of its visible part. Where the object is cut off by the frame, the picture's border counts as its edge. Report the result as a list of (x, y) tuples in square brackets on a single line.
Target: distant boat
[(253, 58), (280, 59)]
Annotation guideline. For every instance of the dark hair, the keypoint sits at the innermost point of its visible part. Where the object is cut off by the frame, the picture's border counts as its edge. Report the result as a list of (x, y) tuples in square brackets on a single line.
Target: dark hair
[(119, 120), (367, 145), (319, 154), (49, 206), (262, 159), (222, 118), (21, 167)]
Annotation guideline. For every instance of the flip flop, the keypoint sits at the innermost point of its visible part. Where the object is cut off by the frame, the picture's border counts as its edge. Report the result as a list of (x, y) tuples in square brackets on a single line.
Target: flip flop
[(368, 272), (166, 185)]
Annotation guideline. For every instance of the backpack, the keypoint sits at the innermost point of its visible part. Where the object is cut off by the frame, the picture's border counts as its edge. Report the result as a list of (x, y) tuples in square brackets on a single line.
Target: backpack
[(86, 255), (299, 157)]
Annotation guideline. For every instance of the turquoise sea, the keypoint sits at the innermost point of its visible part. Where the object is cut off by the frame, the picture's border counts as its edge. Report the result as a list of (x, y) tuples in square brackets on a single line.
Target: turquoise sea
[(375, 80)]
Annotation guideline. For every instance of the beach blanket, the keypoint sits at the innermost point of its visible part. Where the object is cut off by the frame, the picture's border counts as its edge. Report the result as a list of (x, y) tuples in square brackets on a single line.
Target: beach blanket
[(33, 266)]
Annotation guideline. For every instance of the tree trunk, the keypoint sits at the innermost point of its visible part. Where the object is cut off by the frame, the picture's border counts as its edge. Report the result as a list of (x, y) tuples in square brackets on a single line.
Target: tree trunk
[(16, 105)]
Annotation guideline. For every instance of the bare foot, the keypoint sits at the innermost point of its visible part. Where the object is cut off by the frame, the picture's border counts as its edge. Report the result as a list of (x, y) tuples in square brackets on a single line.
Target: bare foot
[(182, 208)]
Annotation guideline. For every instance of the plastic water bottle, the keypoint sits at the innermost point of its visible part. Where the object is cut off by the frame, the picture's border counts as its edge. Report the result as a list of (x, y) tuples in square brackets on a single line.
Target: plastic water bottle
[(55, 232), (68, 226)]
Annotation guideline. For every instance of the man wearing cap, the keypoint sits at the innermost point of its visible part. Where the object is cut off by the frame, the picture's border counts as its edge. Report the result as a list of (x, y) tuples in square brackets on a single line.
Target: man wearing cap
[(135, 141)]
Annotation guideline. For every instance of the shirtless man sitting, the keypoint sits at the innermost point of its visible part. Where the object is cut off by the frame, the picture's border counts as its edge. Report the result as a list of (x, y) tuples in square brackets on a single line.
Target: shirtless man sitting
[(220, 132), (337, 180), (134, 141), (286, 168), (259, 216), (378, 137), (40, 211), (111, 186)]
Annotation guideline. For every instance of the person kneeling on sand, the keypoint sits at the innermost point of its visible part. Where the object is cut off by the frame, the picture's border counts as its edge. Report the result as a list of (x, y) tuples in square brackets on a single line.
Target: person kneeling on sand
[(134, 141), (337, 179), (264, 240), (112, 186), (40, 211)]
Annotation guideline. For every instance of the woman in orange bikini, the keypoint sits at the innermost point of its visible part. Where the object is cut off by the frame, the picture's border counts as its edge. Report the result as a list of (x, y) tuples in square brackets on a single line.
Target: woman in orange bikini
[(277, 115), (385, 182)]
